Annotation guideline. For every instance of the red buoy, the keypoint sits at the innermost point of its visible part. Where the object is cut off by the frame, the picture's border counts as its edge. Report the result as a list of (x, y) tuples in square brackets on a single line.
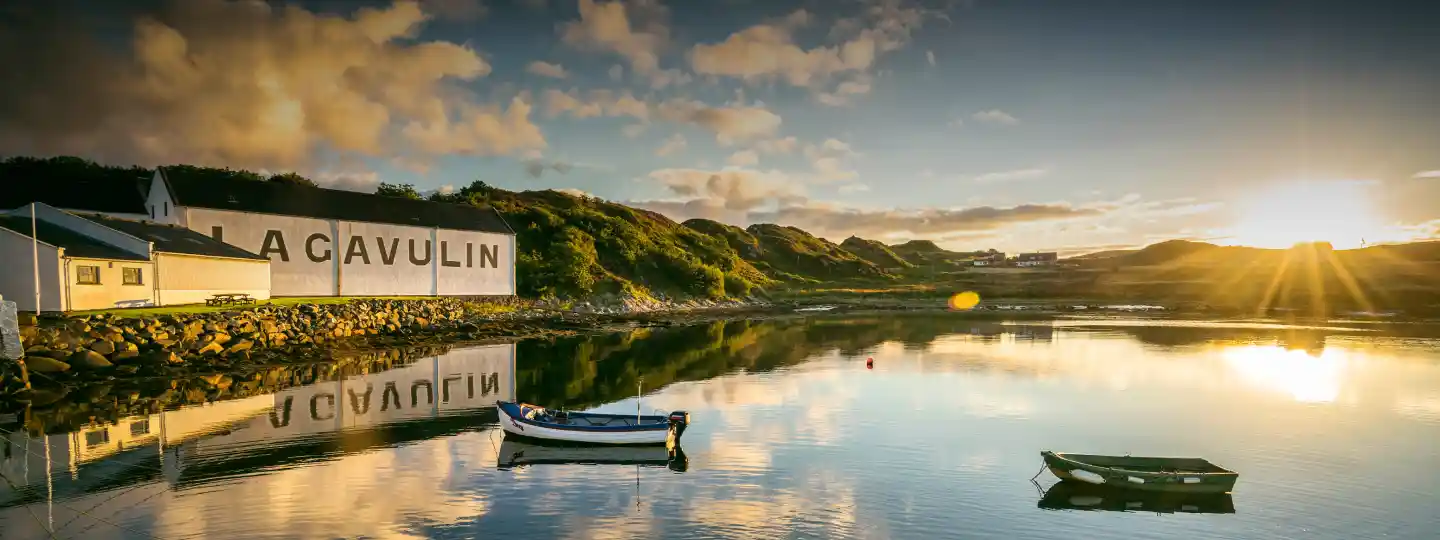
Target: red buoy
[(870, 363)]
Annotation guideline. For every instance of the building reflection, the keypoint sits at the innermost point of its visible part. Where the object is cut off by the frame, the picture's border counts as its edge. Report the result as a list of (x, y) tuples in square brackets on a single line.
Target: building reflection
[(430, 397)]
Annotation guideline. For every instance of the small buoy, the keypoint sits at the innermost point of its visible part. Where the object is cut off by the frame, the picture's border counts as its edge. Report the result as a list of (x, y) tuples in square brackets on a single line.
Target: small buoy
[(870, 363)]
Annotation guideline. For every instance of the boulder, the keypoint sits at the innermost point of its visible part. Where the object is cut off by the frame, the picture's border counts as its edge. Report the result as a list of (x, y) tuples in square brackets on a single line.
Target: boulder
[(210, 348), (242, 345), (124, 355), (41, 364), (103, 346), (88, 359)]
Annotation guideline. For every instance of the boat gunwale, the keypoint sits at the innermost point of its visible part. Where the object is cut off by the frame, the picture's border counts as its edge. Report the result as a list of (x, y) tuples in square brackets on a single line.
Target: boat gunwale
[(661, 425), (1220, 473)]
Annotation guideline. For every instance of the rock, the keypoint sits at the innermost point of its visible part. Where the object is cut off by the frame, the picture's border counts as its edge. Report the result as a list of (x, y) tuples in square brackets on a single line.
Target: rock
[(124, 355), (117, 337), (88, 359), (242, 345), (103, 346), (41, 364), (165, 343), (211, 347), (219, 380), (128, 369)]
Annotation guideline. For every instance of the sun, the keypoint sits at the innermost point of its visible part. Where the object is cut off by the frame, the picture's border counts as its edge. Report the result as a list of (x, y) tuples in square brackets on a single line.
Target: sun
[(1338, 212)]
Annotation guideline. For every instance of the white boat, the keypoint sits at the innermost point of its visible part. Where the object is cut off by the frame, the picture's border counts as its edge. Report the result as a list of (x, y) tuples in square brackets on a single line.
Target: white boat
[(524, 420), (516, 453)]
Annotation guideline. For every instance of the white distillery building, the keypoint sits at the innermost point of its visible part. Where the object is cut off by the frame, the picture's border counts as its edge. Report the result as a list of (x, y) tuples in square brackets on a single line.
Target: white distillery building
[(93, 261), (327, 242)]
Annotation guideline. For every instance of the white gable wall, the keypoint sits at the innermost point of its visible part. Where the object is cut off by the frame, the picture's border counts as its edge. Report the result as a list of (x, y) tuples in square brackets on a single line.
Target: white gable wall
[(161, 206), (17, 278), (191, 279)]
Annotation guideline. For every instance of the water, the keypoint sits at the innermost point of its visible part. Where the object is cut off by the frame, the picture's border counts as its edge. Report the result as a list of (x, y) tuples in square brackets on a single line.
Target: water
[(1335, 432)]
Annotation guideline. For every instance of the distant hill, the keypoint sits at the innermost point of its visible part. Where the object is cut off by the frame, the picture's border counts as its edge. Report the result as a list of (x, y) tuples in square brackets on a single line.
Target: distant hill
[(1103, 254), (875, 252), (926, 253)]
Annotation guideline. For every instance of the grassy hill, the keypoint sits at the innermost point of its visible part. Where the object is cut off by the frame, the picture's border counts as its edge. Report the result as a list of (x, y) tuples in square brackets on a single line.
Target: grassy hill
[(875, 252), (789, 254), (924, 253)]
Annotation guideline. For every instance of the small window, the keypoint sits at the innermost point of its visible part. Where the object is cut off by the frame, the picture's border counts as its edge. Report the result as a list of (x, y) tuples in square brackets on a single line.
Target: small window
[(132, 276), (140, 427), (167, 207), (97, 437), (87, 275), (152, 211)]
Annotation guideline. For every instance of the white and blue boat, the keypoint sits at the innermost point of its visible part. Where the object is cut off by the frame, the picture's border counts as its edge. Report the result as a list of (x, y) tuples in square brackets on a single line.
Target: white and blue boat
[(524, 420)]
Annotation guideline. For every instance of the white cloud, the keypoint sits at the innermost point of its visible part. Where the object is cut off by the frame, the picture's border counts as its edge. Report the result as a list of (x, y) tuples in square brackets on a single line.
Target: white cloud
[(930, 58), (786, 145), (595, 103), (573, 192), (731, 124), (1428, 174), (633, 130), (744, 158), (1012, 176), (546, 69), (854, 188), (673, 144), (635, 31), (995, 116)]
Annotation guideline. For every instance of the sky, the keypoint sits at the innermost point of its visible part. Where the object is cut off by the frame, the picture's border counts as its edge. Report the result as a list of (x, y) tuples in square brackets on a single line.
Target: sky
[(1018, 125)]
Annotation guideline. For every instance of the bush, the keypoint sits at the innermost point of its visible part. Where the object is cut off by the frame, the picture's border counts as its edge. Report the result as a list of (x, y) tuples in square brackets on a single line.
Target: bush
[(736, 286)]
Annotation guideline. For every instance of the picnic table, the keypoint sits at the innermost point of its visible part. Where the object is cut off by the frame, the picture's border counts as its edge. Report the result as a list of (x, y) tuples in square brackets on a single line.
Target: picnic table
[(229, 299)]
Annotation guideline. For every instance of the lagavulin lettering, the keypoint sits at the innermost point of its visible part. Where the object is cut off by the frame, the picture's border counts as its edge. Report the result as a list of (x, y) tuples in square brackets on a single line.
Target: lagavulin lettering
[(358, 250)]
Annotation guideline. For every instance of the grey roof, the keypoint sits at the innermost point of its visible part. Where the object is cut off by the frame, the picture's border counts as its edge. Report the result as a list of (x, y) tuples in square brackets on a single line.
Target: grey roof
[(296, 200), (173, 239), (75, 244)]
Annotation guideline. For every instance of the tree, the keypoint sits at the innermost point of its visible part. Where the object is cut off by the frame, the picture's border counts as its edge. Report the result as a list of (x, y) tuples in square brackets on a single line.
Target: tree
[(402, 191), (293, 179)]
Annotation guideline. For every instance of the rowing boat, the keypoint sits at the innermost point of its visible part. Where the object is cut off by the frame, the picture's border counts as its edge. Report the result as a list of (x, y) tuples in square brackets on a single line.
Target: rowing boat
[(524, 420), (517, 453), (1081, 496), (1193, 475)]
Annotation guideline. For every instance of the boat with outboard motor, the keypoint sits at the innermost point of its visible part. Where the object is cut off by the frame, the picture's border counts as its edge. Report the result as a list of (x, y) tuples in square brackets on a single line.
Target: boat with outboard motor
[(524, 420)]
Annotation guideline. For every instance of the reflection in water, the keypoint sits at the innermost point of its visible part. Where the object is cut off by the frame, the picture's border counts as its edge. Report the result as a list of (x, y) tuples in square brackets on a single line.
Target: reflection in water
[(1077, 496), (792, 437)]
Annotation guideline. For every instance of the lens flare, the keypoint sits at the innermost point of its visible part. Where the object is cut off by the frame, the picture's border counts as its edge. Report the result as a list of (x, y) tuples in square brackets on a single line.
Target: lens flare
[(965, 301)]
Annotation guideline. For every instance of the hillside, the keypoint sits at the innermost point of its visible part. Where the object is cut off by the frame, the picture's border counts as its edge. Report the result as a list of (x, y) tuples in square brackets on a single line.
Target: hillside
[(788, 253), (926, 253), (879, 254)]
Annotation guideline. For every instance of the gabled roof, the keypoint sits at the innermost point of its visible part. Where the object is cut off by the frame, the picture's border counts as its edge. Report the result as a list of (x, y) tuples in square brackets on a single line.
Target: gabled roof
[(75, 244), (79, 187), (295, 200), (172, 239)]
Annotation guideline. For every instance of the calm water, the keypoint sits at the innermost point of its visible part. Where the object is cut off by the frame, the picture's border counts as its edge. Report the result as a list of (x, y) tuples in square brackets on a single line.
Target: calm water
[(1335, 433)]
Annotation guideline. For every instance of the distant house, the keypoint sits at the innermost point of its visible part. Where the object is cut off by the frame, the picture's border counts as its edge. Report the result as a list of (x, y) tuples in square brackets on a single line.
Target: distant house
[(91, 261), (988, 258), (1037, 259)]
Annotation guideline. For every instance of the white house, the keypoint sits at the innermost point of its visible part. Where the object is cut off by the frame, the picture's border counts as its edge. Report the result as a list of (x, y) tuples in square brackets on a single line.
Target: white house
[(96, 262), (326, 242)]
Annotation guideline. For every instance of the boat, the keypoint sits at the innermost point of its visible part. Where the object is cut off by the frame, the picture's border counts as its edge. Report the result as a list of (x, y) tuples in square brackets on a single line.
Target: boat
[(1192, 475), (517, 453), (526, 421), (1081, 496)]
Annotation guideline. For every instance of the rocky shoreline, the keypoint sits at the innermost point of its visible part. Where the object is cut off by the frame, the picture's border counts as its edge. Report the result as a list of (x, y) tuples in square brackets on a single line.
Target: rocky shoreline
[(79, 350)]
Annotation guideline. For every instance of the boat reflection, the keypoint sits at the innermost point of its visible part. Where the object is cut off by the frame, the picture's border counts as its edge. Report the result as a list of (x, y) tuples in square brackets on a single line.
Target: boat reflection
[(516, 453), (1078, 496)]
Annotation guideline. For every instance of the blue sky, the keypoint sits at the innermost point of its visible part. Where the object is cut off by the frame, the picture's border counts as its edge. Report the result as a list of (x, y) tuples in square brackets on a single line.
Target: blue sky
[(1019, 125)]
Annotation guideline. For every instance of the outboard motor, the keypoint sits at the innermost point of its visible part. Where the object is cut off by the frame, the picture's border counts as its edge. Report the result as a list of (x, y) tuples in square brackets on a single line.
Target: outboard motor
[(679, 420), (678, 461)]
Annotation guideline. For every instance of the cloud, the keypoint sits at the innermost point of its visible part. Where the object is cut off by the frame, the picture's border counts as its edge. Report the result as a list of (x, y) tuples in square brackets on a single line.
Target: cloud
[(546, 69), (930, 58), (845, 92), (634, 130), (361, 181), (244, 84), (578, 193), (595, 103), (608, 27), (673, 144), (535, 167), (854, 188), (995, 116), (455, 10), (731, 189), (828, 161), (1012, 176), (744, 158), (1428, 174), (832, 220), (731, 124)]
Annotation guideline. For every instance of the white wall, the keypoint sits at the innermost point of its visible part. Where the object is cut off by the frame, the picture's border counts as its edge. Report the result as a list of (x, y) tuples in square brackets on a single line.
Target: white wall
[(365, 269), (190, 279), (350, 258), (161, 206), (297, 267), (17, 273), (111, 292), (483, 263)]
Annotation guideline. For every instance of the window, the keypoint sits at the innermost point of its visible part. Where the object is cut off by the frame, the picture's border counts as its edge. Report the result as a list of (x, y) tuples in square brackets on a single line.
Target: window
[(132, 276), (140, 427), (167, 207), (97, 437), (87, 275), (152, 211)]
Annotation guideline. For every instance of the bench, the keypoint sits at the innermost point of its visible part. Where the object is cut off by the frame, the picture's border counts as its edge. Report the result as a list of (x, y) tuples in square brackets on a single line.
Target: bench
[(229, 299)]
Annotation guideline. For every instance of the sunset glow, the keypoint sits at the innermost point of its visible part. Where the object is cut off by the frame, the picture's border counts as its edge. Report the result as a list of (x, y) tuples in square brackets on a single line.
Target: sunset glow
[(1339, 212)]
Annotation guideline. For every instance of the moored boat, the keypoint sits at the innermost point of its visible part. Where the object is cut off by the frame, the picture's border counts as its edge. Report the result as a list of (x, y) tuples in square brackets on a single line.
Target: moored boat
[(524, 420), (1193, 475), (517, 453), (1080, 496)]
